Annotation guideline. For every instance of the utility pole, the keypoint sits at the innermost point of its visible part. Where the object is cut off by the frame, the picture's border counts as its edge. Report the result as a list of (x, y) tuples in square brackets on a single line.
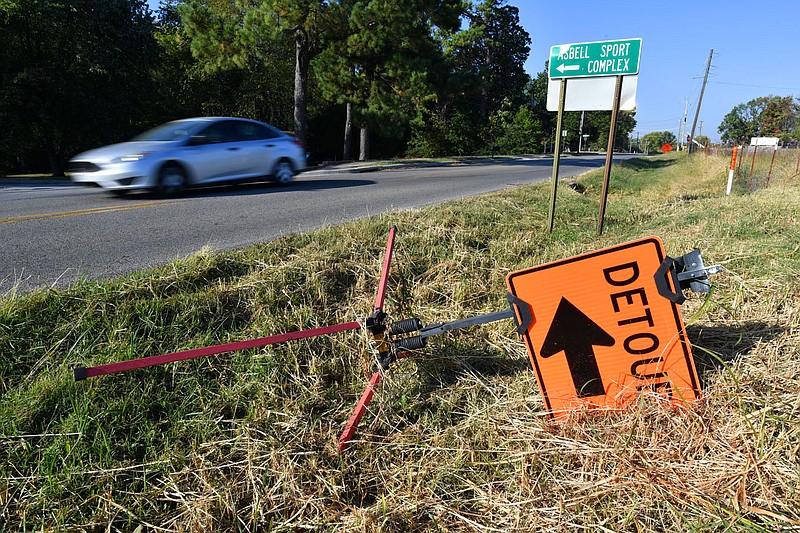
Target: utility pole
[(700, 100), (580, 132), (682, 126)]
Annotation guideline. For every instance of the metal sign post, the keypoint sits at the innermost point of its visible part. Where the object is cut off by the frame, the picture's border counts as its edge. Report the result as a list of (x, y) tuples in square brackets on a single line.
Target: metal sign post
[(589, 67), (612, 132), (556, 156)]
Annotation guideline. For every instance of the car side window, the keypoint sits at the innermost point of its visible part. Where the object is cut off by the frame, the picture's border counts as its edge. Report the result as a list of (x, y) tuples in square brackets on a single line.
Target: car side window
[(251, 131), (219, 132)]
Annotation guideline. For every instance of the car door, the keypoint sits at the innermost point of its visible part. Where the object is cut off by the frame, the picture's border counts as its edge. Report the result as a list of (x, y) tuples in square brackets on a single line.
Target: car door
[(264, 145), (216, 153), (258, 144)]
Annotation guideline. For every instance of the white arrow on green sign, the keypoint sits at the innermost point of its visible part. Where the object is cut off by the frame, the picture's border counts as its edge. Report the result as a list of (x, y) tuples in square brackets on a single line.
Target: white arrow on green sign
[(600, 58)]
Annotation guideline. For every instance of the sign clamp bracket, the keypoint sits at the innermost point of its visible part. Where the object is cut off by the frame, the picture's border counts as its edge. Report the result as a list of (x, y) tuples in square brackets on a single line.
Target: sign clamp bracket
[(686, 272)]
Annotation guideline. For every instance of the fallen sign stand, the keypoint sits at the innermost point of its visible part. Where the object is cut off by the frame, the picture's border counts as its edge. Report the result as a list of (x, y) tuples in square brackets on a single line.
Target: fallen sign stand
[(658, 284)]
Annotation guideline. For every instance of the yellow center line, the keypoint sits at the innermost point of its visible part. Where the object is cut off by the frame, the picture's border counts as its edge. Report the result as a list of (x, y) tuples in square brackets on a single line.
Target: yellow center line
[(80, 212)]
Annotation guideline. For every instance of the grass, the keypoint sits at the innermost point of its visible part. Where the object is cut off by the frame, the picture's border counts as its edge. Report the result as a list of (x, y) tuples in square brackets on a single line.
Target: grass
[(455, 438)]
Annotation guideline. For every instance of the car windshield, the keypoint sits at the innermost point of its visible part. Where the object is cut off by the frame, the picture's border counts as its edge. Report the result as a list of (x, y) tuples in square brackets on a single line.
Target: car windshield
[(171, 131)]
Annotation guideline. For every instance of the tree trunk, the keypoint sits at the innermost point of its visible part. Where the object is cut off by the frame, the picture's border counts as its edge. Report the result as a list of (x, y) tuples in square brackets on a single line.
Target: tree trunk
[(348, 133), (485, 84), (55, 161), (364, 155), (302, 61)]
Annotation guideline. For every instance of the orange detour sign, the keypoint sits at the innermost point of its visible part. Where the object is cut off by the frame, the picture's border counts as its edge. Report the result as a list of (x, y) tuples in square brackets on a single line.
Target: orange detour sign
[(666, 147), (602, 333)]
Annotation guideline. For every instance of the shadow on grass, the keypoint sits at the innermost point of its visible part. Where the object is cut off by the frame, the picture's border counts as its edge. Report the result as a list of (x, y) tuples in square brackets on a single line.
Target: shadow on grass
[(448, 364), (650, 163), (714, 347)]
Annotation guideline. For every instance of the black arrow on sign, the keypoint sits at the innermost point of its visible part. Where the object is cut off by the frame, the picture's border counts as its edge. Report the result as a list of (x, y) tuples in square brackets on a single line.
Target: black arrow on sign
[(574, 333)]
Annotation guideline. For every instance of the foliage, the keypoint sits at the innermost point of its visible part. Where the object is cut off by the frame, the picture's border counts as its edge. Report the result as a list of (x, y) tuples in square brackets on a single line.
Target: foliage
[(62, 64), (766, 116), (245, 31), (491, 51), (426, 77), (653, 141), (702, 139), (257, 88), (514, 133), (596, 124), (380, 63), (537, 91), (435, 134), (482, 82)]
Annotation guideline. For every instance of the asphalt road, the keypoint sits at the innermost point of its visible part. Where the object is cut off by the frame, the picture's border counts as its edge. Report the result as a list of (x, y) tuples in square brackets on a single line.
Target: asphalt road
[(55, 234)]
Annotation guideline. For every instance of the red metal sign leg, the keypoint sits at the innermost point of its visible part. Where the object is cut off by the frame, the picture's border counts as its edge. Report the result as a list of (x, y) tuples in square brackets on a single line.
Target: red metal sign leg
[(83, 373), (361, 408), (387, 258)]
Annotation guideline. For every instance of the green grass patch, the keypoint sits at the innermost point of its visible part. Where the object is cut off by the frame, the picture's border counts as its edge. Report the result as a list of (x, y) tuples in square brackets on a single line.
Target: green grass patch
[(455, 439)]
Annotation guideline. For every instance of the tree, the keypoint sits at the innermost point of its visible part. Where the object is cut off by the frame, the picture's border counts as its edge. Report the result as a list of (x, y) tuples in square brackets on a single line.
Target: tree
[(227, 34), (380, 68), (482, 75), (256, 85), (493, 51), (515, 133), (538, 97), (703, 140), (653, 141), (743, 121), (781, 118), (82, 63), (596, 125), (766, 116)]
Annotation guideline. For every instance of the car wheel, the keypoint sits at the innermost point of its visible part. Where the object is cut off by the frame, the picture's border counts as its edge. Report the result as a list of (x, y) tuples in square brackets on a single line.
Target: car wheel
[(284, 171), (171, 180)]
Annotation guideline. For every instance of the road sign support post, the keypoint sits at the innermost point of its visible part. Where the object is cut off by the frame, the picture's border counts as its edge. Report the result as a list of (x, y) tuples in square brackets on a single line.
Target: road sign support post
[(797, 168), (752, 169), (556, 155), (772, 163), (742, 156), (612, 132)]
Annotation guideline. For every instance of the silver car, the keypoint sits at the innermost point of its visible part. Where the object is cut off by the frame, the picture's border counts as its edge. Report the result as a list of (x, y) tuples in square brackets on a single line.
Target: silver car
[(194, 151)]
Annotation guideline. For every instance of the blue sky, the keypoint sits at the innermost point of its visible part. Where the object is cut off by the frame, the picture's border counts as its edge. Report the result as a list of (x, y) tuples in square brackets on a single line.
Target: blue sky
[(756, 51)]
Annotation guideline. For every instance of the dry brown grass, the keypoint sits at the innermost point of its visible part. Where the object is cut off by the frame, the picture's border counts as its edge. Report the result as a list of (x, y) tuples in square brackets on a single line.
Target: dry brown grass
[(456, 438)]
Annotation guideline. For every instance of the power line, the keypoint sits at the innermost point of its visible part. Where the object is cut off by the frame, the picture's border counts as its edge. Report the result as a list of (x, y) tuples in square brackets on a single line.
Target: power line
[(663, 121), (757, 86)]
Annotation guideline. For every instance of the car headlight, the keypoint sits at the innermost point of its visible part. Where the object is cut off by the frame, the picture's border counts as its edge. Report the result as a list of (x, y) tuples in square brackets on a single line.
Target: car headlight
[(128, 158)]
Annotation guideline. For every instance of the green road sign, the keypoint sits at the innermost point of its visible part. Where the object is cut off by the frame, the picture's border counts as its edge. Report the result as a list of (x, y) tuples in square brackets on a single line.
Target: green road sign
[(601, 58)]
